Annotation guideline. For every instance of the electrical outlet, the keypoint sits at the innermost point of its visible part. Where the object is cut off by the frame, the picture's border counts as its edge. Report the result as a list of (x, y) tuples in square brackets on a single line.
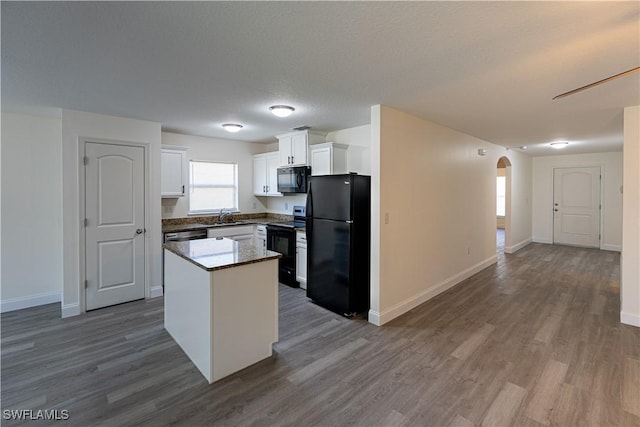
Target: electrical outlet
[(286, 206), (386, 218), (468, 251), (254, 206)]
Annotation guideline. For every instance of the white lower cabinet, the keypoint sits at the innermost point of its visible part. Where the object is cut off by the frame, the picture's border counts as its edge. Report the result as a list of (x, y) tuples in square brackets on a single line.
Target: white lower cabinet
[(235, 232), (301, 258), (261, 236)]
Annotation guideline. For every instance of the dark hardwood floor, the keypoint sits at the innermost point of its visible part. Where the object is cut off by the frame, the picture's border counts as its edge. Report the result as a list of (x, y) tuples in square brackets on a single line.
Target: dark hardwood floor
[(533, 340)]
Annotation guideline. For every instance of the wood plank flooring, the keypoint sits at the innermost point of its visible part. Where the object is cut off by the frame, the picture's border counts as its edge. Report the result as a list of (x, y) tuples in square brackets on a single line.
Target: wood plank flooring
[(534, 340)]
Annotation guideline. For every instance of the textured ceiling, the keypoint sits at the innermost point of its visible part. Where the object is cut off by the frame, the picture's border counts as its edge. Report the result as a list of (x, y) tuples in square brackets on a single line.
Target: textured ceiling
[(488, 69)]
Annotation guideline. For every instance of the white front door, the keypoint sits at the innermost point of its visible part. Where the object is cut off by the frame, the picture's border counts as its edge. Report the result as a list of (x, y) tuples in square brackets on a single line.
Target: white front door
[(114, 210), (576, 206)]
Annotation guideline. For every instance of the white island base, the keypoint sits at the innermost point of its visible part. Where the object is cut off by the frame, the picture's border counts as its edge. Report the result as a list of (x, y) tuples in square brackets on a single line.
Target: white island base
[(224, 319)]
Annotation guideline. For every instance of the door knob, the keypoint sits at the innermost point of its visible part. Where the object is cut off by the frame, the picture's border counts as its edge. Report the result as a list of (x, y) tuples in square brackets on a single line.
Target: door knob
[(139, 231)]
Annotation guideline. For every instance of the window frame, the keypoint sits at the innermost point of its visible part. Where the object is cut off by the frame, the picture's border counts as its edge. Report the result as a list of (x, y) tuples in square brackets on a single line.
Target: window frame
[(498, 197), (236, 185)]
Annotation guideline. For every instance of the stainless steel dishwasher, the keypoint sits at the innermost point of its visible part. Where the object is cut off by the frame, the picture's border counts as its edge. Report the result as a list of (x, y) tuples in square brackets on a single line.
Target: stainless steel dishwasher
[(181, 236)]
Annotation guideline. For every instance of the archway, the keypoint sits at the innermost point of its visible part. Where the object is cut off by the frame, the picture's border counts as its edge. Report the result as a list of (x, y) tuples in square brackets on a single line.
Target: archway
[(503, 205)]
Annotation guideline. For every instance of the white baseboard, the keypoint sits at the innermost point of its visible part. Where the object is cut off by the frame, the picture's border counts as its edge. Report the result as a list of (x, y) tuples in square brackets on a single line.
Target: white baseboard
[(630, 319), (542, 240), (607, 247), (156, 291), (414, 301), (29, 301), (70, 310), (374, 317), (514, 248)]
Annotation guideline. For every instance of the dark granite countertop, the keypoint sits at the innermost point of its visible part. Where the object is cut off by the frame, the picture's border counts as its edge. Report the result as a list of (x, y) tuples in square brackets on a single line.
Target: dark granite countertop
[(173, 228), (219, 253)]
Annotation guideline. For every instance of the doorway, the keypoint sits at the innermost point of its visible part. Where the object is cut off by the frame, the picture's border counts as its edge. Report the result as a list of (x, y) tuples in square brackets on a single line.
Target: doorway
[(576, 206), (503, 205), (114, 223)]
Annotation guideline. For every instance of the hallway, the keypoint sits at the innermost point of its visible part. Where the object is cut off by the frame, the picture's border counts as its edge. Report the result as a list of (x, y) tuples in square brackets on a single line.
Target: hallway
[(532, 340)]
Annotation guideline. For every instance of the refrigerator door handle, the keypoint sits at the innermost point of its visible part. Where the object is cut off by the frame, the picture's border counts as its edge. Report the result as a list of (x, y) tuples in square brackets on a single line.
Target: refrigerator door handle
[(309, 204)]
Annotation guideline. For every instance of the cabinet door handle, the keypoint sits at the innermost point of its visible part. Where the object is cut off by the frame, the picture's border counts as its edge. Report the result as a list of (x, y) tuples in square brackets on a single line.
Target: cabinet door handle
[(183, 189), (267, 189)]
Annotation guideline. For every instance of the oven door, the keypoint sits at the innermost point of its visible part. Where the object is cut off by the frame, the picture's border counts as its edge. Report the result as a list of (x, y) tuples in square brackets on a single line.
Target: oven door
[(283, 240)]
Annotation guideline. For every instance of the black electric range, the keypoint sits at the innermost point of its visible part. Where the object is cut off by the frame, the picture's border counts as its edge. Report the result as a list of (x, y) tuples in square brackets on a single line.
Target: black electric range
[(281, 237)]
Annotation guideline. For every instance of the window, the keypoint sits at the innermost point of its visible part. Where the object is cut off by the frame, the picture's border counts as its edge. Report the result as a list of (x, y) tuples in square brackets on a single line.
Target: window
[(212, 186), (501, 191)]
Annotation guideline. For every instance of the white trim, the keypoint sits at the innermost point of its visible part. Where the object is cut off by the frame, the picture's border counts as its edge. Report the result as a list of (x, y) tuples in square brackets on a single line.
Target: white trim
[(544, 240), (29, 301), (156, 291), (630, 319), (517, 246), (402, 307), (70, 310), (609, 247)]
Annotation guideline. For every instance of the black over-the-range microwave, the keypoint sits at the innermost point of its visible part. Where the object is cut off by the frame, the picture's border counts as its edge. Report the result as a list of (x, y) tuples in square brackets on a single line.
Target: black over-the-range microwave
[(293, 179)]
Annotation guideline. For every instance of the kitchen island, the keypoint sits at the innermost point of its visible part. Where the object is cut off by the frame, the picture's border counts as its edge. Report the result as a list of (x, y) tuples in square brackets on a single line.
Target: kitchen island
[(221, 303)]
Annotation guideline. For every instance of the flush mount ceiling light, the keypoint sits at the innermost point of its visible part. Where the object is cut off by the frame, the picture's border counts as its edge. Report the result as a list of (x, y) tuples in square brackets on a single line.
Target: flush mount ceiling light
[(281, 110), (559, 144), (232, 127)]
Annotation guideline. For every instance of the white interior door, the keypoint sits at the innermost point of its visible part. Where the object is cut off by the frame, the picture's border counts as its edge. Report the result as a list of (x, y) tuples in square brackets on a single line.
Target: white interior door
[(576, 206), (114, 209)]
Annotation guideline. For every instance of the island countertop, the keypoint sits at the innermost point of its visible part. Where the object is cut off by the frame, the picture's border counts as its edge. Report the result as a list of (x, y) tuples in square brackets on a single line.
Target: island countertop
[(219, 253)]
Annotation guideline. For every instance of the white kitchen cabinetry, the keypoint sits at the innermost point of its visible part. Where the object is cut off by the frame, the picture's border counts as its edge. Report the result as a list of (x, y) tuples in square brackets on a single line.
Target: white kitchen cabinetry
[(234, 232), (328, 158), (261, 236), (293, 146), (173, 171), (265, 174), (301, 258)]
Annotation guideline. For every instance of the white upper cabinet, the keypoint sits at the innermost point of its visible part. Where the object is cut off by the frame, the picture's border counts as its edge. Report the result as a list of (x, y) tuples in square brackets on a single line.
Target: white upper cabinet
[(260, 174), (265, 174), (173, 179), (293, 146), (328, 158)]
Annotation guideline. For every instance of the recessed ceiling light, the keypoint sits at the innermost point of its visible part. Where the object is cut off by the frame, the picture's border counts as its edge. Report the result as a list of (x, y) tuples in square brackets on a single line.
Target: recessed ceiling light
[(559, 144), (232, 127), (281, 110), (524, 147)]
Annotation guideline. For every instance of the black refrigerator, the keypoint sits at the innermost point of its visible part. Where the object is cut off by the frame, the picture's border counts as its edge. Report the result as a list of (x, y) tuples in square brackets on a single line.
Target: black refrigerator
[(338, 227)]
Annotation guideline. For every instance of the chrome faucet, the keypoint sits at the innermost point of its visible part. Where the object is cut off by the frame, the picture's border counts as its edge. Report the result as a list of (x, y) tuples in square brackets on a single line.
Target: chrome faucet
[(222, 216)]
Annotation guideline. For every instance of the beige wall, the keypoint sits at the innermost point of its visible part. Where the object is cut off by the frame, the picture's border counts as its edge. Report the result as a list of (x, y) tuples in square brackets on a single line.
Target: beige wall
[(630, 268), (611, 222), (439, 198), (31, 247), (221, 150)]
